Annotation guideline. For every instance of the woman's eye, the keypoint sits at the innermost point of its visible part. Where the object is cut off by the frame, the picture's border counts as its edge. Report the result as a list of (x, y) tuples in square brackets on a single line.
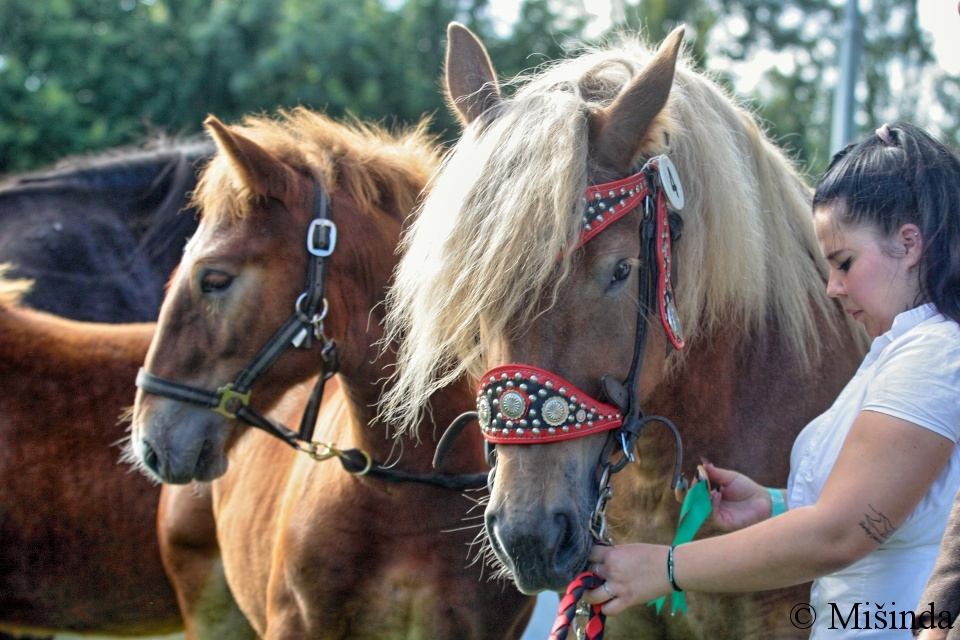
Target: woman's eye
[(621, 272), (213, 280), (845, 265)]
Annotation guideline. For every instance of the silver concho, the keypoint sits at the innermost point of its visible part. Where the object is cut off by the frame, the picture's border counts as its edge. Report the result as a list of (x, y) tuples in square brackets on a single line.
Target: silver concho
[(483, 412), (555, 411), (673, 318), (512, 405), (670, 181), (581, 415)]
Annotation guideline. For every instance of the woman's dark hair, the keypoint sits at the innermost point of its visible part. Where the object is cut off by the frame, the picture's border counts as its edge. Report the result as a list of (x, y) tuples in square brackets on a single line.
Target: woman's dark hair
[(902, 175)]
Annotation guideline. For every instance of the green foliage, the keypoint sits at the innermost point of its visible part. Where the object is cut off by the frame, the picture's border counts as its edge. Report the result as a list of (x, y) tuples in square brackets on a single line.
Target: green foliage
[(81, 75), (796, 100)]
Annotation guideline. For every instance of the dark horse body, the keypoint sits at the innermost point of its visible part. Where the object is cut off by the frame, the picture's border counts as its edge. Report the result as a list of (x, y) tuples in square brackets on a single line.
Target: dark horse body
[(98, 238)]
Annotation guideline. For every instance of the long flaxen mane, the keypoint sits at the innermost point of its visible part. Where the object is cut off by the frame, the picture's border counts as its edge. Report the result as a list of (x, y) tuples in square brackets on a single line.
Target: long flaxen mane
[(481, 259), (366, 161), (12, 290)]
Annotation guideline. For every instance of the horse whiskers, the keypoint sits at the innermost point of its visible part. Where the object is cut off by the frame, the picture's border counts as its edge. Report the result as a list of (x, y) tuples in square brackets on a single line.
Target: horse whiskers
[(480, 501), (126, 416), (127, 456), (486, 558), (476, 517), (463, 528)]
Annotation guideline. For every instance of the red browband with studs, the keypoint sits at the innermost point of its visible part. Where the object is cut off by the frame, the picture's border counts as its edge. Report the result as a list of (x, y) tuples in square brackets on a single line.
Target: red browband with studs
[(519, 403), (606, 203)]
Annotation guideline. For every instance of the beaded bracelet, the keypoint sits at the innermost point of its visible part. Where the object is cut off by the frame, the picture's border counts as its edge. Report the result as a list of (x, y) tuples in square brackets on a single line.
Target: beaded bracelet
[(670, 576)]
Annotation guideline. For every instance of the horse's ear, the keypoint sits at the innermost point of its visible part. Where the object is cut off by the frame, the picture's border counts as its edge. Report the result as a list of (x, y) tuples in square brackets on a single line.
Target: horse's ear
[(620, 129), (472, 86), (259, 171)]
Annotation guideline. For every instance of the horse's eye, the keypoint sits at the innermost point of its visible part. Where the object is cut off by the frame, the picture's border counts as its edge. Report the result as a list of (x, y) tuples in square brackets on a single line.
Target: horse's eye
[(621, 272), (213, 280)]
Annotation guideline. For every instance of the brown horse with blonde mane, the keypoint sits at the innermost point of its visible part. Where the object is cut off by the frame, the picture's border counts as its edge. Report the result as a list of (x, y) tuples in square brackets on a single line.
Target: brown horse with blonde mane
[(79, 549), (305, 549), (546, 239)]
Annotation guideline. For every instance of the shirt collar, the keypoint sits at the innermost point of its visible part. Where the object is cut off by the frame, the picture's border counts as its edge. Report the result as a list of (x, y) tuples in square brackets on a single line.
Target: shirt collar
[(902, 323), (910, 318)]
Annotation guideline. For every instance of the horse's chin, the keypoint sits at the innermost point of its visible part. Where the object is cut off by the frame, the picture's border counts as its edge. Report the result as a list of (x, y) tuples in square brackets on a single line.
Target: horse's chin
[(531, 580)]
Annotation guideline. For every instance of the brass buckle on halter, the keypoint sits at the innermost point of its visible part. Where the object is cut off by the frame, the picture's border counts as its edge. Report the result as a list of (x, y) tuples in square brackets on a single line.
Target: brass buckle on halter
[(231, 401), (321, 451)]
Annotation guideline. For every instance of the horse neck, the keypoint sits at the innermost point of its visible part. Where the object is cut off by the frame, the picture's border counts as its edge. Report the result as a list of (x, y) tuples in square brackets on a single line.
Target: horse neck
[(740, 403), (363, 388)]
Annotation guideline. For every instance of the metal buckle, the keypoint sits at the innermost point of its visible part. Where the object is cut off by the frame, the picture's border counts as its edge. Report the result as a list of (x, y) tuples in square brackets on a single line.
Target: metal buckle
[(227, 395), (315, 225), (627, 451)]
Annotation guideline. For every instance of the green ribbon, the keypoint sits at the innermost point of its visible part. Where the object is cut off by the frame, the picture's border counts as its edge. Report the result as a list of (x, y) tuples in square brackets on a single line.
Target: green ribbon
[(694, 512)]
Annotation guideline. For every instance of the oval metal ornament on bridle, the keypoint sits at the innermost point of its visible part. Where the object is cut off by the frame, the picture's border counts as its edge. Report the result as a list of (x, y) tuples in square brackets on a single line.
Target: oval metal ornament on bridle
[(670, 181), (513, 405), (673, 317)]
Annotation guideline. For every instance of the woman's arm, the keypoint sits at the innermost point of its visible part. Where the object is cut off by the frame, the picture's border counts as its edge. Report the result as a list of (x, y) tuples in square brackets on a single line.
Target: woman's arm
[(885, 467)]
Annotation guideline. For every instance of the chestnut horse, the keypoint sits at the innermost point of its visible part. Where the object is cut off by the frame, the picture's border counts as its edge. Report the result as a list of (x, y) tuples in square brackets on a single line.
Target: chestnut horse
[(99, 235), (78, 547), (513, 260), (306, 549)]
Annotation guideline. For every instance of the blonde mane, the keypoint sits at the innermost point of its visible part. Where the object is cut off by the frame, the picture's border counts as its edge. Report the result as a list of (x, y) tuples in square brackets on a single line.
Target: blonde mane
[(506, 202), (12, 291), (366, 161)]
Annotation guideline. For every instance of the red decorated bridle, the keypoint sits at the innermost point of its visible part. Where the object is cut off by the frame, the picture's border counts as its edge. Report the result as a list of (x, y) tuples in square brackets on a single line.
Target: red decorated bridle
[(523, 404)]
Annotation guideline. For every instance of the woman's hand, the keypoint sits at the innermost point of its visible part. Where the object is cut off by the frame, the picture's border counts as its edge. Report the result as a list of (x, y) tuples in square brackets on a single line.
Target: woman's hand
[(634, 574), (738, 501)]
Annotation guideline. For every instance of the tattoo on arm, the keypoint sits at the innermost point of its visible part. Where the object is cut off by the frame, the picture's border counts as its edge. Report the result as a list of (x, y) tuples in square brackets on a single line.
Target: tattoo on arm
[(876, 525)]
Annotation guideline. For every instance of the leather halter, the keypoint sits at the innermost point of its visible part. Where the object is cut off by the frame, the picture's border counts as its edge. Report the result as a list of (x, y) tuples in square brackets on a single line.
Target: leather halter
[(301, 330), (521, 404)]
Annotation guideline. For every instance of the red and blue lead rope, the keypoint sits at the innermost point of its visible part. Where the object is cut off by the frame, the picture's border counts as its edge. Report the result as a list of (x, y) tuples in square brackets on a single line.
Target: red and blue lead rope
[(567, 610)]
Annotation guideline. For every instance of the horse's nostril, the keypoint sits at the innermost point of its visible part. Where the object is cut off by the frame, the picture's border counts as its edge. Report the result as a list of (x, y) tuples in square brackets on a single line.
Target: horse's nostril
[(563, 531), (564, 542), (150, 458)]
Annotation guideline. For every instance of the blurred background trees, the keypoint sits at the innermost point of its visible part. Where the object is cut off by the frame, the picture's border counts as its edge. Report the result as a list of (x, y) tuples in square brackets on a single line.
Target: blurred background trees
[(83, 75)]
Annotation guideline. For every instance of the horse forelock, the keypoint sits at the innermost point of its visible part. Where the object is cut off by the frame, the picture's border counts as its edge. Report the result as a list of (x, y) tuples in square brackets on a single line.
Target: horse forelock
[(368, 163), (506, 203)]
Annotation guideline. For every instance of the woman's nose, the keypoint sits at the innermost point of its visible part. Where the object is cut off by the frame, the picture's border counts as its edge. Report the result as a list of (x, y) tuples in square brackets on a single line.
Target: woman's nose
[(834, 285)]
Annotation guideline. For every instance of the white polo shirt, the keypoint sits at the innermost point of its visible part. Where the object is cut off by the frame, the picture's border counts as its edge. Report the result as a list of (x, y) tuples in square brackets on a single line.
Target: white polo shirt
[(911, 372)]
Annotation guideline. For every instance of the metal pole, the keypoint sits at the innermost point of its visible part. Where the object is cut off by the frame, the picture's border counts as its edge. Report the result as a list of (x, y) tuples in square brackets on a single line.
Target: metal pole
[(844, 100)]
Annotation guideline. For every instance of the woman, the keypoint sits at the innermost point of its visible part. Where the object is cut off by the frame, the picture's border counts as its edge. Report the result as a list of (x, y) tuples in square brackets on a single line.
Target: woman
[(872, 479)]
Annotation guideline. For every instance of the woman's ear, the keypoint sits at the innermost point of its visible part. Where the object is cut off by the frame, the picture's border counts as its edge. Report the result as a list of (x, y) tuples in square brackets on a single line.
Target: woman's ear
[(910, 238)]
